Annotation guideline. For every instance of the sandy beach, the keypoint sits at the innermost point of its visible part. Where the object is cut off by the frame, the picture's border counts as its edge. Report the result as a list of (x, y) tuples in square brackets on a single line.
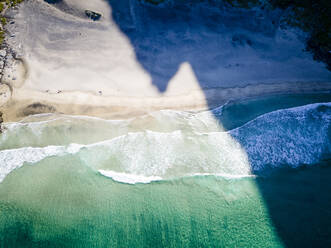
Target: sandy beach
[(61, 61)]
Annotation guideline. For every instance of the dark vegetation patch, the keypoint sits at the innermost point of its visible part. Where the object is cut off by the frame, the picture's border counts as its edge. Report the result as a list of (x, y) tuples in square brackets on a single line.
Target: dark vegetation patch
[(313, 17)]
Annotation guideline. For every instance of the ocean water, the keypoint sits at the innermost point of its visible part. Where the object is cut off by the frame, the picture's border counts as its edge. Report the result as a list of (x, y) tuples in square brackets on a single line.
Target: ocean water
[(253, 173)]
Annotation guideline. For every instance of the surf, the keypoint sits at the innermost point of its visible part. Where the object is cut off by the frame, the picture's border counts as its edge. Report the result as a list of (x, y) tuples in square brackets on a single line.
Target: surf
[(188, 144)]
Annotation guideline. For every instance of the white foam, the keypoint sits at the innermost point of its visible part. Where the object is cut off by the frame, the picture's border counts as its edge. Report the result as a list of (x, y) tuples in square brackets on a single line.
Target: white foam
[(129, 178), (15, 158), (168, 155), (290, 137), (134, 179), (74, 148)]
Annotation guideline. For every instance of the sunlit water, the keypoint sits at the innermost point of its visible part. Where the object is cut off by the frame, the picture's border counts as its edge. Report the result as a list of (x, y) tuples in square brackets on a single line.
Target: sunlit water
[(253, 173)]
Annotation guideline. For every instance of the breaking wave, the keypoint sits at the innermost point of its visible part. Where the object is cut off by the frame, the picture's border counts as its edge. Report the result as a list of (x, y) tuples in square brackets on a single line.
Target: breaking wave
[(193, 145)]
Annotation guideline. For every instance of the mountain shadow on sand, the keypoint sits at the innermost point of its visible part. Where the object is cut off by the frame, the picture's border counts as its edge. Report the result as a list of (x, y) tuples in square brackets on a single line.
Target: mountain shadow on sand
[(224, 45)]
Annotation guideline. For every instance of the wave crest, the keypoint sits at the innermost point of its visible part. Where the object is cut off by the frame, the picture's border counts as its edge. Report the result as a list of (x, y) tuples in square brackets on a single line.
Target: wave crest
[(289, 137)]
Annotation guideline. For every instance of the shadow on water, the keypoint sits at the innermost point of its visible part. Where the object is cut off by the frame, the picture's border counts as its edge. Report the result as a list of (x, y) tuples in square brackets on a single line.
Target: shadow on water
[(165, 36), (299, 201), (299, 205)]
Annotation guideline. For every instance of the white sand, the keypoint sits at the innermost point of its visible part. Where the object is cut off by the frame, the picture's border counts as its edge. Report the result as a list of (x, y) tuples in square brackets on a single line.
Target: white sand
[(78, 66)]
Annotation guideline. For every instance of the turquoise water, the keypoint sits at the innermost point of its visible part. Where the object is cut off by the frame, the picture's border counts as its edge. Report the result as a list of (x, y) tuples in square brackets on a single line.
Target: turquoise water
[(73, 207), (171, 178)]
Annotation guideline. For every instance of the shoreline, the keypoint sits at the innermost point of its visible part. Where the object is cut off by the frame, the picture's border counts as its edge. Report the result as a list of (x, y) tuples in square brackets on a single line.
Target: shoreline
[(24, 102), (65, 72)]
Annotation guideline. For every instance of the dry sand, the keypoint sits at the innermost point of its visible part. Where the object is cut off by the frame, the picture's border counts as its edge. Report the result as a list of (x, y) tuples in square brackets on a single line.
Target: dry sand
[(70, 64)]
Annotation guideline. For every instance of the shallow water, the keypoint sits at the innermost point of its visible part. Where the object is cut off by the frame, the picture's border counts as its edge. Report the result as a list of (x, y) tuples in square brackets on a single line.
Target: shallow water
[(171, 178)]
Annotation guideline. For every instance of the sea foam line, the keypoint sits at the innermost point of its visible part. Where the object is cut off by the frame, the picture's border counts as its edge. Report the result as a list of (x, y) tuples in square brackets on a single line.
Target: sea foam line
[(134, 179), (263, 155), (129, 178)]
